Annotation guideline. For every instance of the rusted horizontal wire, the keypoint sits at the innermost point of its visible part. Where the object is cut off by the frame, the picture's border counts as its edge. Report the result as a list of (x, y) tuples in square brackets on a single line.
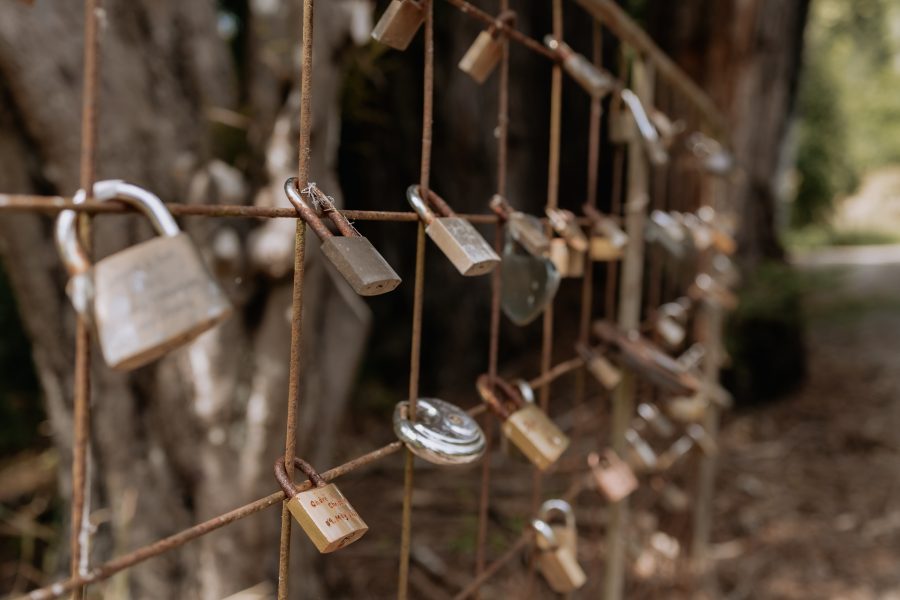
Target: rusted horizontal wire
[(162, 546), (503, 26)]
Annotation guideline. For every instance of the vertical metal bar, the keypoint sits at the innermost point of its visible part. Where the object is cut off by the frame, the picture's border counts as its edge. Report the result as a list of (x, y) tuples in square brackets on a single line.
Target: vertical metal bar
[(630, 296), (293, 407), (494, 342), (81, 413), (419, 293)]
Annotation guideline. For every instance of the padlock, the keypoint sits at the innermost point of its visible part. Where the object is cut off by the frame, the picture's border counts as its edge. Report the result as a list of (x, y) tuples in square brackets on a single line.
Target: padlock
[(560, 516), (323, 512), (593, 79), (671, 319), (652, 144), (442, 434), (622, 129), (722, 241), (705, 442), (399, 23), (679, 449), (639, 453), (457, 238), (568, 261), (711, 154), (612, 475), (707, 289), (482, 57), (657, 421), (526, 230), (607, 241), (145, 300), (556, 562), (528, 282), (526, 425), (668, 130), (701, 234), (597, 365), (664, 229), (688, 409), (354, 256)]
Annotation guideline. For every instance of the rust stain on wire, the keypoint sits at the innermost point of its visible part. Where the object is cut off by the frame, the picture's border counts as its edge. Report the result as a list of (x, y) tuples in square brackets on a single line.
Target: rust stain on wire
[(508, 30)]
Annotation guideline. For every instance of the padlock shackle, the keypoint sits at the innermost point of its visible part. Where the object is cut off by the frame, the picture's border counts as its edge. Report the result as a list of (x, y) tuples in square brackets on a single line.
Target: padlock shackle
[(428, 209), (658, 154), (501, 207), (285, 482), (488, 387), (73, 255), (543, 530), (525, 390), (560, 507), (306, 213)]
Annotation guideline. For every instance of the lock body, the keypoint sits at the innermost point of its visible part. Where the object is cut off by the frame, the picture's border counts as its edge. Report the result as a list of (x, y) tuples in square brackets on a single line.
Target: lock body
[(614, 478), (528, 285), (482, 57), (327, 518), (529, 232), (151, 298), (463, 245), (604, 249), (561, 569), (539, 439), (604, 371), (592, 79), (399, 23), (361, 265), (568, 261)]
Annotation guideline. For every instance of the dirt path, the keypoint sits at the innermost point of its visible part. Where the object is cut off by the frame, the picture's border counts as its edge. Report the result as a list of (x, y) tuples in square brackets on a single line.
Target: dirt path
[(809, 503)]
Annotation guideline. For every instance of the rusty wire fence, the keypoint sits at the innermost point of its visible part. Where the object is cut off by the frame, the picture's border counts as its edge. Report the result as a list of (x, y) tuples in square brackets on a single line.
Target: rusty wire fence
[(641, 279)]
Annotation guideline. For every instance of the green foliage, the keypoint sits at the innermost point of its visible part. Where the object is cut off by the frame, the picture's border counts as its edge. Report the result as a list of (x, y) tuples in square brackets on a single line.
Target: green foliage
[(819, 236), (847, 103)]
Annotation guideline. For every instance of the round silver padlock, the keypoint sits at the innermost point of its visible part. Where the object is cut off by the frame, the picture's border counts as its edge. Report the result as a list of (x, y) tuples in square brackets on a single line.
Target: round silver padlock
[(442, 433)]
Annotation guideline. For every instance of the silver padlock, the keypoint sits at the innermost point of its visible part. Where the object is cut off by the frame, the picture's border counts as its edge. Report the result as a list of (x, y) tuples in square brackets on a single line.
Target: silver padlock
[(652, 143), (482, 57), (351, 254), (664, 229), (526, 230), (593, 79), (640, 455), (457, 238), (399, 23), (147, 299), (442, 434)]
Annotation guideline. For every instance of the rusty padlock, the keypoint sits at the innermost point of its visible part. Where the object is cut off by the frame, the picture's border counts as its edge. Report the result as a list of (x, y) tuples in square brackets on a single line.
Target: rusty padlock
[(597, 365), (612, 475), (556, 561), (656, 152), (322, 511), (457, 238), (524, 229), (593, 79), (145, 300), (526, 425), (607, 241), (354, 256), (399, 23), (482, 57)]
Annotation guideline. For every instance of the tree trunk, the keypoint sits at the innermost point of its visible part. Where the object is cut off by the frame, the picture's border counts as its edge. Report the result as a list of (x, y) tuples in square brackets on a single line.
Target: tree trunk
[(196, 433)]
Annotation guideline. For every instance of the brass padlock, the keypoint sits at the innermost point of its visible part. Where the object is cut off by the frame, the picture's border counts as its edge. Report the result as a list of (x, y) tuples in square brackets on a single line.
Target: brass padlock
[(593, 79), (526, 230), (323, 512), (526, 425), (560, 516), (482, 57), (456, 237), (568, 261), (557, 562), (612, 475), (399, 23), (607, 240), (529, 282), (656, 152), (145, 300), (354, 256), (597, 365), (569, 250)]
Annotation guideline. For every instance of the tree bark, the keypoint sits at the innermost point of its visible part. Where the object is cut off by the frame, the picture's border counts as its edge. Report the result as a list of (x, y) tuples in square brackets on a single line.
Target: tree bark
[(196, 433)]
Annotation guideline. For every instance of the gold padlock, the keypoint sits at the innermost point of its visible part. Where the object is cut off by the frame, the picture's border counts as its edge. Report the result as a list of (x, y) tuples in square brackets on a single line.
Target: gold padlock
[(322, 511), (594, 80), (145, 300), (569, 250), (560, 516), (457, 238), (556, 561), (597, 365), (482, 57), (526, 425), (612, 475), (352, 255), (399, 23), (607, 240)]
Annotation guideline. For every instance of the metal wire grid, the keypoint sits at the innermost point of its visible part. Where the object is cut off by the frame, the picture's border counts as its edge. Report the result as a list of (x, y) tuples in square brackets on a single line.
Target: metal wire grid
[(629, 303)]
